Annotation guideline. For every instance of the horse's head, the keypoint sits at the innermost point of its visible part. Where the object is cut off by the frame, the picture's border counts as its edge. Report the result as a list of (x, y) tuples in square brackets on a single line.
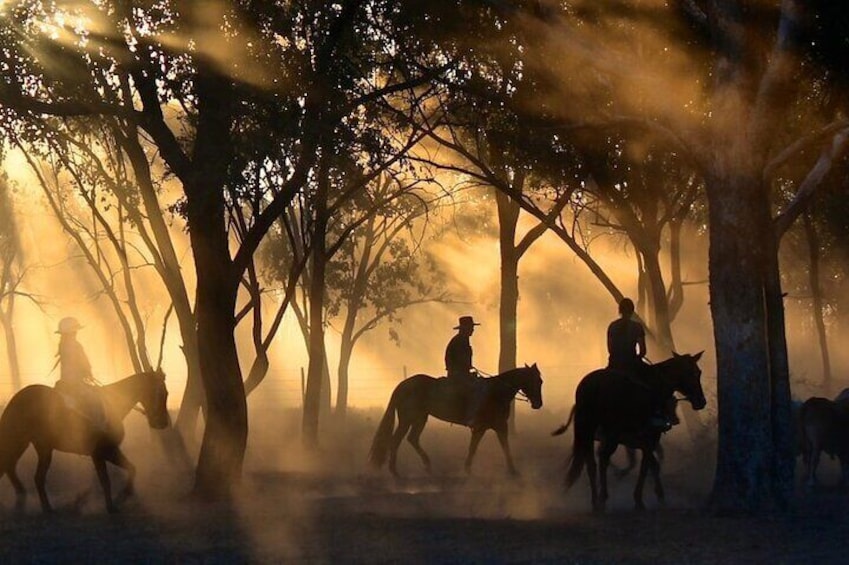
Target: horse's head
[(154, 400), (531, 385), (688, 378)]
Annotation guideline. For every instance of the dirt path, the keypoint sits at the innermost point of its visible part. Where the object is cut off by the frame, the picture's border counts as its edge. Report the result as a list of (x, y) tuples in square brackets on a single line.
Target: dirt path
[(332, 510)]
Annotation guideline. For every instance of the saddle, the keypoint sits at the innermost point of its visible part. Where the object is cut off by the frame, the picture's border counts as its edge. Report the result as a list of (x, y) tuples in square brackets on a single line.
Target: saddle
[(84, 400)]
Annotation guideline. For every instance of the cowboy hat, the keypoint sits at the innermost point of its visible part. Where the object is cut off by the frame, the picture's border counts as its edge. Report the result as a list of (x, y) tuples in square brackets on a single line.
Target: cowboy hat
[(465, 321)]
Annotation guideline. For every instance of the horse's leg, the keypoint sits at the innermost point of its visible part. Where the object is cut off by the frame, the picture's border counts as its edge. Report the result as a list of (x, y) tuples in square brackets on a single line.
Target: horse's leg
[(807, 449), (103, 475), (12, 473), (813, 463), (397, 437), (45, 456), (477, 434), (655, 471), (413, 437), (501, 432), (641, 479), (592, 473), (20, 491), (605, 451), (117, 457)]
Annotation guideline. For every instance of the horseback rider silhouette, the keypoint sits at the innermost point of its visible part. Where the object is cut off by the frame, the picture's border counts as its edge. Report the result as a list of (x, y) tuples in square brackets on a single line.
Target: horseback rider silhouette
[(459, 368), (75, 378), (626, 341), (626, 348)]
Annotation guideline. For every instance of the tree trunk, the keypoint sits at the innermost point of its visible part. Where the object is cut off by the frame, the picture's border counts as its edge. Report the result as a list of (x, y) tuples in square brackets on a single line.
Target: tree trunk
[(508, 216), (225, 434), (317, 354), (657, 300), (817, 299), (345, 354), (7, 320), (169, 270), (742, 482)]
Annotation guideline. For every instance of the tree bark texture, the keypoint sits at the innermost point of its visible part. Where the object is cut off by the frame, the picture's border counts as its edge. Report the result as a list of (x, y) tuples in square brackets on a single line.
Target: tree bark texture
[(225, 434)]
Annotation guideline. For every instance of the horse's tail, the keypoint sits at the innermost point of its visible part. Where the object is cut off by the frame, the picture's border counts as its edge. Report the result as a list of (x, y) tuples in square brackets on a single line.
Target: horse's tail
[(562, 429), (582, 447), (14, 438), (383, 436)]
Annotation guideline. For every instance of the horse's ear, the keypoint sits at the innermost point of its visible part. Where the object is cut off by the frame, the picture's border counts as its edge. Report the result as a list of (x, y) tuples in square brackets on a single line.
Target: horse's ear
[(675, 355), (526, 366), (698, 355), (534, 366)]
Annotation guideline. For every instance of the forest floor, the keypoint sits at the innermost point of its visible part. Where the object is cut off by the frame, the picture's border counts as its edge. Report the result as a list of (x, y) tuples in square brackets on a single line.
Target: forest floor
[(326, 507)]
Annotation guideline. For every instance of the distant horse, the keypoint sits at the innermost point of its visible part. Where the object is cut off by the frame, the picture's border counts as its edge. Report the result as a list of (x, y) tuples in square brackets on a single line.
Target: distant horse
[(420, 396), (617, 409), (39, 415), (824, 427)]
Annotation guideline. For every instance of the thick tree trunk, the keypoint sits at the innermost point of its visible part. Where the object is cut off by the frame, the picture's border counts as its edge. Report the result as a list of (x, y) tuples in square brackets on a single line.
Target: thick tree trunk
[(225, 434), (743, 476), (508, 217)]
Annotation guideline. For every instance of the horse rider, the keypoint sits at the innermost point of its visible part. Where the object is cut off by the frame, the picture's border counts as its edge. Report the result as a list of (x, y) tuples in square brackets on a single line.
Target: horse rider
[(75, 377), (459, 368), (626, 349), (626, 341)]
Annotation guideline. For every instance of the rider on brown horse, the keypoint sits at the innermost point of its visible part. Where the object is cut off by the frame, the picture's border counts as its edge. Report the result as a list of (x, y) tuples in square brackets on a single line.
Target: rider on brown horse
[(75, 378), (459, 368), (626, 348)]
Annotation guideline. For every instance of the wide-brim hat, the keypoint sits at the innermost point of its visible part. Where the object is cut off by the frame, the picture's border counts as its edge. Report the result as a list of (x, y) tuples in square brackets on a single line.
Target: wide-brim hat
[(68, 325), (465, 322)]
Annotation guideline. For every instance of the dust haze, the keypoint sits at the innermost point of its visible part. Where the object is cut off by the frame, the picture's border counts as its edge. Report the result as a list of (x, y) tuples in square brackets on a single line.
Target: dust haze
[(562, 317)]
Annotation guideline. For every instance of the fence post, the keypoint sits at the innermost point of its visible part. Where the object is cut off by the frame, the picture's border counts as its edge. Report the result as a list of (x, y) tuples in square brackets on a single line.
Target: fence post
[(303, 389)]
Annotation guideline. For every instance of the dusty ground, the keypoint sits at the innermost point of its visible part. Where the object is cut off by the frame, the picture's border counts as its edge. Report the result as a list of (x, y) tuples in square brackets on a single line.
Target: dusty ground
[(328, 508)]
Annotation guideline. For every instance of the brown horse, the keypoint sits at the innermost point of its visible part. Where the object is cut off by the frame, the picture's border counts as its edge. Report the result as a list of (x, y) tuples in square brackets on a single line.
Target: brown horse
[(824, 427), (39, 415), (617, 409), (420, 396)]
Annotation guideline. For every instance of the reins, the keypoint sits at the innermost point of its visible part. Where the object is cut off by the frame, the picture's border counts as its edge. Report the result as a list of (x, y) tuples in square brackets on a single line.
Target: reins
[(520, 395)]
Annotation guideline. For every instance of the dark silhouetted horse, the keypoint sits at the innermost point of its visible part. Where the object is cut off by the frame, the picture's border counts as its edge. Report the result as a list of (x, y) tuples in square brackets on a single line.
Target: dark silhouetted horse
[(420, 396), (40, 415), (824, 427), (617, 409), (630, 452)]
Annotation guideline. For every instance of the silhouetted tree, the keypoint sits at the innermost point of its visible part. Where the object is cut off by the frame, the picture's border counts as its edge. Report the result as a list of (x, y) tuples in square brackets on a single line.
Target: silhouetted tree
[(11, 276)]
